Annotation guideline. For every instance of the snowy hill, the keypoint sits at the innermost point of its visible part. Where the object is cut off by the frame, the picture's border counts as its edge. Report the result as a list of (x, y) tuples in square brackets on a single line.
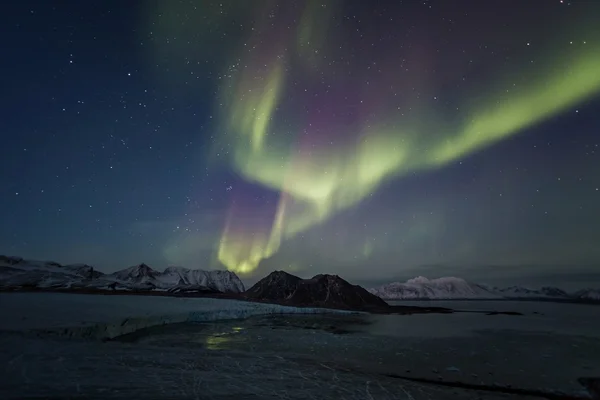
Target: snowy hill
[(523, 292), (18, 273), (138, 274), (458, 288), (223, 281), (440, 288), (588, 294), (180, 277)]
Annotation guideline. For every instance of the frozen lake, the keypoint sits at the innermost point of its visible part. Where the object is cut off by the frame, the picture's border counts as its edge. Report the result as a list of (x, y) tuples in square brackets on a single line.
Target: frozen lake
[(291, 356), (547, 348), (556, 318)]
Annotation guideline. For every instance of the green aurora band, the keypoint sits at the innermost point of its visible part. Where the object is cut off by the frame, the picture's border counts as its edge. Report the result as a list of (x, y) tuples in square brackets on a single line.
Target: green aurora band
[(317, 184)]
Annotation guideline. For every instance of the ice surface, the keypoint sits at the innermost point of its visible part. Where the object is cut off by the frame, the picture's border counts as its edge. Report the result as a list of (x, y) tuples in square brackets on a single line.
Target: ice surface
[(536, 359), (49, 368), (40, 358), (108, 316), (549, 317)]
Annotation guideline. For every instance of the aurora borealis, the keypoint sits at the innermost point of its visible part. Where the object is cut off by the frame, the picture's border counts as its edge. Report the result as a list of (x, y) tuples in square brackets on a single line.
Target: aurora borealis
[(376, 141), (318, 179)]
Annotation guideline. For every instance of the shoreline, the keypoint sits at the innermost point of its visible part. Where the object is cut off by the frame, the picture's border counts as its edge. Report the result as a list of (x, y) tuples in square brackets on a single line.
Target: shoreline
[(391, 310), (531, 299)]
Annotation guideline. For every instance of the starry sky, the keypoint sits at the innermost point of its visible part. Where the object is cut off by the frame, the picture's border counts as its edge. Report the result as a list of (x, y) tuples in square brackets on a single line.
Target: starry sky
[(376, 140)]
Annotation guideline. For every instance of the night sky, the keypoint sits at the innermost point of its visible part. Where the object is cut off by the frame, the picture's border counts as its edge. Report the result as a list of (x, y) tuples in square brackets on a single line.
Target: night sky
[(377, 140)]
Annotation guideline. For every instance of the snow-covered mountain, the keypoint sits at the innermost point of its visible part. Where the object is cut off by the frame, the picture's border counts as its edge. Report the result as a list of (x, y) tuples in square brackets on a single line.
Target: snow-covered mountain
[(440, 288), (520, 291), (588, 294), (458, 288), (18, 273), (138, 274), (222, 281)]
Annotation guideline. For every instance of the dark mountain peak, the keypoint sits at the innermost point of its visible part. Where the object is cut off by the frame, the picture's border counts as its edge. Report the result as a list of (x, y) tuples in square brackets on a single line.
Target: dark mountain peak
[(321, 290), (84, 270), (282, 275), (136, 273), (330, 279), (278, 278), (553, 291), (278, 285), (145, 270), (10, 260), (53, 264), (326, 276), (174, 269)]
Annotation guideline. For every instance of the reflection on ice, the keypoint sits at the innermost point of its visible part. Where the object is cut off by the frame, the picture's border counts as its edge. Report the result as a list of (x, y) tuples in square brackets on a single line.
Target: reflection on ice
[(219, 340)]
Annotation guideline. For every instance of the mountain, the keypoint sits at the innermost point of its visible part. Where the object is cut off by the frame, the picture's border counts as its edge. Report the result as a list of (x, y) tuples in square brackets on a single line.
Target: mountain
[(553, 292), (587, 294), (222, 281), (84, 270), (521, 292), (137, 274), (329, 291), (321, 290), (440, 288), (278, 285), (180, 277), (458, 288), (18, 273)]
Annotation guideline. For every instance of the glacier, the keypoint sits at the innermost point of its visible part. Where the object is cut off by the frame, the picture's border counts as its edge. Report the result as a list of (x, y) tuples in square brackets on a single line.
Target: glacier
[(105, 317)]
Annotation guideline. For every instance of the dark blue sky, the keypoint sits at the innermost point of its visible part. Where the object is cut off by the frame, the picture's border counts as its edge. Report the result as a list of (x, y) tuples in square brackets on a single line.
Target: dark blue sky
[(118, 118)]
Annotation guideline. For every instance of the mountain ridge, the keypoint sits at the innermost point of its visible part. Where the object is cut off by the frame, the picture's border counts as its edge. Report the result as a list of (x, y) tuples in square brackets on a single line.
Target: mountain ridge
[(322, 290), (16, 272), (453, 288)]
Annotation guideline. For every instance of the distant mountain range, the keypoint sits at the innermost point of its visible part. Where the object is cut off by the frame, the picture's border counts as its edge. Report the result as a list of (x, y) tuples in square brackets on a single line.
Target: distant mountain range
[(16, 272), (458, 288), (329, 291), (322, 290)]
